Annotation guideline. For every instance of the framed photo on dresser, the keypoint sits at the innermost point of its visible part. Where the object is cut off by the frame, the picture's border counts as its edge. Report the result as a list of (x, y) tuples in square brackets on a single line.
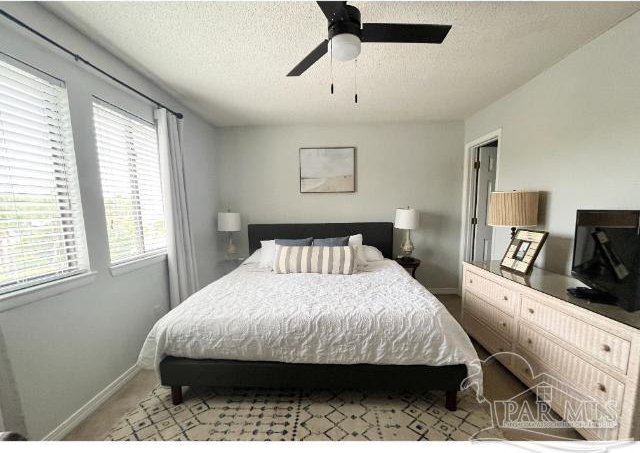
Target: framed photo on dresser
[(523, 250)]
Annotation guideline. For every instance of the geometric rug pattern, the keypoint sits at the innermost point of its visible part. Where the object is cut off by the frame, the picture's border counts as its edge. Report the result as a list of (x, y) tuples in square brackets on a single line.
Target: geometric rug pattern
[(298, 415)]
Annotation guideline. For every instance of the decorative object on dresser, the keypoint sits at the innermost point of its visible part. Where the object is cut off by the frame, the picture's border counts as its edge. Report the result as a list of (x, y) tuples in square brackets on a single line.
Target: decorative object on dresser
[(513, 209), (590, 349), (523, 250), (411, 264), (229, 222), (327, 170), (407, 219)]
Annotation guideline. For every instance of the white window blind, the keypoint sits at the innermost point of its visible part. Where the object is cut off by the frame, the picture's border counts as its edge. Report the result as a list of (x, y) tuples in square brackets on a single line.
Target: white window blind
[(41, 225), (130, 176)]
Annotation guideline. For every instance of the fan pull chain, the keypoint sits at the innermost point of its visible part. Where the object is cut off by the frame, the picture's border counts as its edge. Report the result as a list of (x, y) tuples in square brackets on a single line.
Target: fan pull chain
[(331, 63), (355, 79)]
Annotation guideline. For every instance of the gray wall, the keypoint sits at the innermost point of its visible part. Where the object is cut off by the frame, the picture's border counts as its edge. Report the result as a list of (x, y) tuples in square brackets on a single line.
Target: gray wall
[(396, 165), (573, 132), (65, 349)]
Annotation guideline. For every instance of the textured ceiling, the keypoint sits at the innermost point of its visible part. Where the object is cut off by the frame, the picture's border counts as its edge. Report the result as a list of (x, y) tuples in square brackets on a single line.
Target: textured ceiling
[(228, 61)]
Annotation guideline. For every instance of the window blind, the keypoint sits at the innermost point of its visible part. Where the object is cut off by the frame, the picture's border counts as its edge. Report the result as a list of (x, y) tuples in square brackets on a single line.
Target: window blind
[(130, 177), (41, 224)]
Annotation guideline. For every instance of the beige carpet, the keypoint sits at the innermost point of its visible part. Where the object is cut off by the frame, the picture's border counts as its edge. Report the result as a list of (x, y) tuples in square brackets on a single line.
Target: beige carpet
[(239, 414)]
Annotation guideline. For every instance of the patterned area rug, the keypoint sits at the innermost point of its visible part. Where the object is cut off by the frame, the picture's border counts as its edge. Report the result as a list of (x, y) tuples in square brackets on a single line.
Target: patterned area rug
[(239, 414)]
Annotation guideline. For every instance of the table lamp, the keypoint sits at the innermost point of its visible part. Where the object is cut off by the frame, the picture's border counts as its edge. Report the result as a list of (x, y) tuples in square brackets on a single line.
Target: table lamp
[(229, 222), (407, 219), (513, 209)]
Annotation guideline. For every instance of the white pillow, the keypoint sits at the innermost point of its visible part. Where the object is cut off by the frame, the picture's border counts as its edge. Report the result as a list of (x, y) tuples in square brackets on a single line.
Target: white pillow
[(370, 253), (356, 241), (364, 253), (254, 258), (268, 254)]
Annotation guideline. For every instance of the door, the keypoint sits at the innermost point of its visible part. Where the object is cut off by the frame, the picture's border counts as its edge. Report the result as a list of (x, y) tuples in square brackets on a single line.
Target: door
[(485, 178)]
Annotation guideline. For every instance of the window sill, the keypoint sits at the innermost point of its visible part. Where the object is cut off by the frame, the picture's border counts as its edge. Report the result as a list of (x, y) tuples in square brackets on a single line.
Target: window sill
[(35, 293), (130, 266)]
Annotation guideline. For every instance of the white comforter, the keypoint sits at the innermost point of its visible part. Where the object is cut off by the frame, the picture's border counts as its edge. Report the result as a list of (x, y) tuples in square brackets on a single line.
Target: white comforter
[(380, 316)]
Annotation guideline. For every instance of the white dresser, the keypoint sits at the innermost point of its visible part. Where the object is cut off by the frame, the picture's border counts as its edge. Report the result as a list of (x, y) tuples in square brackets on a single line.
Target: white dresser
[(592, 349)]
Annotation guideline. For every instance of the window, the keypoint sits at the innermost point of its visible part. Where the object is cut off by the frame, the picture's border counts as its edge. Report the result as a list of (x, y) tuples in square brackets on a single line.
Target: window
[(130, 176), (41, 225)]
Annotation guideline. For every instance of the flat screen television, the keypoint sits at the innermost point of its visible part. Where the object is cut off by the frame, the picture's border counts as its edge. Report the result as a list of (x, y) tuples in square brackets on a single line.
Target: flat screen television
[(606, 254)]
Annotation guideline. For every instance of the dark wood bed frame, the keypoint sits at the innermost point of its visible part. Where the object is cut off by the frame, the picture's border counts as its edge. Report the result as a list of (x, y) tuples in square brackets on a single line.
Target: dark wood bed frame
[(177, 372)]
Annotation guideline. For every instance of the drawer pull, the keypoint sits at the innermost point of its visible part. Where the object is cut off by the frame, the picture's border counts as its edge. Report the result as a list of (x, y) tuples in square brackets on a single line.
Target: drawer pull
[(470, 280), (531, 310), (529, 340), (602, 388), (505, 298), (503, 324), (606, 348)]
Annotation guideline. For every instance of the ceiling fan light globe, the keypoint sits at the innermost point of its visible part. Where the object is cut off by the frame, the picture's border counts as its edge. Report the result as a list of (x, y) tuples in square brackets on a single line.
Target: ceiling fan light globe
[(345, 46)]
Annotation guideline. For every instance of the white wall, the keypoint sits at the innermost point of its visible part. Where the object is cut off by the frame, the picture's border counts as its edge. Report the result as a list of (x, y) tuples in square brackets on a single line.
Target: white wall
[(573, 132), (396, 165), (63, 350)]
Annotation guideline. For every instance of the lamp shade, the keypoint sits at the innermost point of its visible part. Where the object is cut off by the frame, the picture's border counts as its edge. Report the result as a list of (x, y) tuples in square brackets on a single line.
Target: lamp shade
[(228, 221), (513, 209), (406, 219)]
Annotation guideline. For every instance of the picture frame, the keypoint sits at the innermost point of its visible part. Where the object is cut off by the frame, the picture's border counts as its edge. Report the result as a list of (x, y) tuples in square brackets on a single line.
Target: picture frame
[(327, 169), (523, 251)]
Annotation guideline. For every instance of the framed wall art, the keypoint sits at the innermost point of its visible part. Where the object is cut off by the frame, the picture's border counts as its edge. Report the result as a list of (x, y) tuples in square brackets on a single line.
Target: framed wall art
[(523, 250), (327, 170)]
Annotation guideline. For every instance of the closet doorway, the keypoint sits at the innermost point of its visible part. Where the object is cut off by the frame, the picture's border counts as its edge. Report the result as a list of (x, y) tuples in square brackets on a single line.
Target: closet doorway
[(481, 172)]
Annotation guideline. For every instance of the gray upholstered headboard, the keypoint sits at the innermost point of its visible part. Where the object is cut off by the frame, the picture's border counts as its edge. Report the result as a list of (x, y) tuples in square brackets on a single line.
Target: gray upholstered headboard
[(377, 234)]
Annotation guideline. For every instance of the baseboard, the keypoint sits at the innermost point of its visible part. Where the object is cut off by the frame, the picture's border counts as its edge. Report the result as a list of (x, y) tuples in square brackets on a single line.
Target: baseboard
[(87, 409), (443, 290)]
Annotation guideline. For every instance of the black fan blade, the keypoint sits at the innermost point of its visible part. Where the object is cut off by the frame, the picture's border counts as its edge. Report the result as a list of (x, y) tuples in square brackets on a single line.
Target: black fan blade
[(332, 9), (310, 59), (433, 34)]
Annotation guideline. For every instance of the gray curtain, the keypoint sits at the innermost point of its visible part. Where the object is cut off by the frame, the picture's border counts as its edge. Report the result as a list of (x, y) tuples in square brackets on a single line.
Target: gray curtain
[(11, 418), (183, 277)]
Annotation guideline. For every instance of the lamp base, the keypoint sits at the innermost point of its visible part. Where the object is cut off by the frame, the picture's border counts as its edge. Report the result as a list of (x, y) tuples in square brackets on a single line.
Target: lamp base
[(231, 251), (407, 246)]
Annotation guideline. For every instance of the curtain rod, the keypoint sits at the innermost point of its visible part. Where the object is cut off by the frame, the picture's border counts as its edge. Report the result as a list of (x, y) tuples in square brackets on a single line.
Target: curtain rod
[(81, 59)]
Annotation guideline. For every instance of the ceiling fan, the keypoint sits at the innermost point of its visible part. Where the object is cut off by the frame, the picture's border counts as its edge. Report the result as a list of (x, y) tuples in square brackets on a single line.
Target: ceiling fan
[(346, 33)]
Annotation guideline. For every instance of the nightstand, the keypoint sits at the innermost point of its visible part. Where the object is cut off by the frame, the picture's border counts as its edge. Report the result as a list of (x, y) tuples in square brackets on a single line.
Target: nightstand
[(226, 266), (410, 264)]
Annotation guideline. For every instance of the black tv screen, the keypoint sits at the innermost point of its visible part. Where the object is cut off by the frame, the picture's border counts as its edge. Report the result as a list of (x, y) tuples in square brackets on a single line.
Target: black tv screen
[(606, 254)]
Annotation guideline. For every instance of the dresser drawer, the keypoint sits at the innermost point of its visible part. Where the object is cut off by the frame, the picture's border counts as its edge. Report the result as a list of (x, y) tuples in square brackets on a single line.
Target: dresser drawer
[(490, 315), (503, 298), (603, 346), (580, 374), (489, 340), (562, 395)]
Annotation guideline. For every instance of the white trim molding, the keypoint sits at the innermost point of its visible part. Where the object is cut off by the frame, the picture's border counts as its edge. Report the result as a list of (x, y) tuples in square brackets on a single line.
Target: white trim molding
[(90, 406), (130, 266), (465, 214), (25, 296)]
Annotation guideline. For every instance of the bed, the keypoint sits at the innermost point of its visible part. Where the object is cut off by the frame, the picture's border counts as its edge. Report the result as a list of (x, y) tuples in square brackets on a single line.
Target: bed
[(378, 329)]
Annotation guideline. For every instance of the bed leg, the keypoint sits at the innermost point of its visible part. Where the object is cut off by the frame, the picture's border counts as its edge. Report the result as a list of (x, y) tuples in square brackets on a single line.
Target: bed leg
[(176, 394), (451, 402)]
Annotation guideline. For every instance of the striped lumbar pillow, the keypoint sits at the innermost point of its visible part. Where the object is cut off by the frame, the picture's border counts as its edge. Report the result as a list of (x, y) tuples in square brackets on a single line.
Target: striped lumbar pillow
[(317, 260)]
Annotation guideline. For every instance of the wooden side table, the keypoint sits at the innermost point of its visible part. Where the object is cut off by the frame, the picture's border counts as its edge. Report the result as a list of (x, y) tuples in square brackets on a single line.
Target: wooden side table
[(411, 264), (226, 266)]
